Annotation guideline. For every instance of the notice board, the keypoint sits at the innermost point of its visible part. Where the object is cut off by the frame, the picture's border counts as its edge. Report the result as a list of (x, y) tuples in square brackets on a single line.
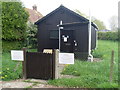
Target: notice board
[(17, 55), (66, 58)]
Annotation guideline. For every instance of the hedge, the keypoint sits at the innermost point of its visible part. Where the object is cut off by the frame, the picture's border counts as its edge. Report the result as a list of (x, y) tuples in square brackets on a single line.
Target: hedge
[(12, 45), (108, 36)]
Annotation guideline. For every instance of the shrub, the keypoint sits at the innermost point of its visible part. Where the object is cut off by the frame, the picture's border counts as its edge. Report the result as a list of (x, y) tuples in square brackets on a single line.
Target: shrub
[(11, 45), (108, 36), (31, 35), (14, 18)]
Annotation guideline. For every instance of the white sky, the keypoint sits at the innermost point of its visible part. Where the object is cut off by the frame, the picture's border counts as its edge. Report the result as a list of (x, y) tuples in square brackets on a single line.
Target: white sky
[(101, 9)]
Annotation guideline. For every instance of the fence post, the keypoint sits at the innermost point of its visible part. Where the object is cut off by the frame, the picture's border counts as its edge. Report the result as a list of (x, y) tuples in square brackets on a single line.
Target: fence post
[(24, 64), (55, 64), (112, 66)]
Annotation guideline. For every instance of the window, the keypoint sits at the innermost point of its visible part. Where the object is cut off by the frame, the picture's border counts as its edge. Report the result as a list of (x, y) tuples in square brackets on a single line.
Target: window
[(54, 34)]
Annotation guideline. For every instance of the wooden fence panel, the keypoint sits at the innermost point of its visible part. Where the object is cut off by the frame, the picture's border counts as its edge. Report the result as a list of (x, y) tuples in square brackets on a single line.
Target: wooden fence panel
[(39, 65)]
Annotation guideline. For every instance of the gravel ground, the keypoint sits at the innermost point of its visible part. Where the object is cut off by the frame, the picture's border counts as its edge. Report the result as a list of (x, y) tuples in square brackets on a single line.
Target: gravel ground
[(30, 83)]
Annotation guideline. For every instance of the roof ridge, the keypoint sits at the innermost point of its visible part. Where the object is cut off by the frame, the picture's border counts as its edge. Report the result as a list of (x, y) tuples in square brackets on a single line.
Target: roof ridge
[(61, 6)]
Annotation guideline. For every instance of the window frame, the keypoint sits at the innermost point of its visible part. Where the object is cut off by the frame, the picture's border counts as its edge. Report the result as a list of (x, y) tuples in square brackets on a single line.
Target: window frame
[(51, 36)]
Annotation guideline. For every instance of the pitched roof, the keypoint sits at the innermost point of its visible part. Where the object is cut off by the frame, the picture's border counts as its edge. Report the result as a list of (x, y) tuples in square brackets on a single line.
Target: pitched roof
[(61, 7), (72, 12), (34, 15)]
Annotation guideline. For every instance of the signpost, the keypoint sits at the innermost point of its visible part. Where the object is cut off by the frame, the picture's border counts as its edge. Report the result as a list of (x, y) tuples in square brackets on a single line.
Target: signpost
[(64, 58), (20, 55)]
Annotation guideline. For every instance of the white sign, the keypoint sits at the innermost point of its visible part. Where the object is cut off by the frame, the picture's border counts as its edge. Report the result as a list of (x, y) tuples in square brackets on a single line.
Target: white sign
[(65, 39), (66, 58), (17, 55)]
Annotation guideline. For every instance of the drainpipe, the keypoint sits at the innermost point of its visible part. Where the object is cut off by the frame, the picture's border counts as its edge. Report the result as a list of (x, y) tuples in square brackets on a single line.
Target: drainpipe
[(90, 57)]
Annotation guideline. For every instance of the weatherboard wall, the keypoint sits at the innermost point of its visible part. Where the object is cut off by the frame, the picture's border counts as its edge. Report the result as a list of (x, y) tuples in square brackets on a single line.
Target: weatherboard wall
[(50, 22)]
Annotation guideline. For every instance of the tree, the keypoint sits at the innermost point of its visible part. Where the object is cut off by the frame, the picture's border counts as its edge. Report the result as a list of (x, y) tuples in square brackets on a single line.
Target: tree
[(14, 18), (113, 23), (99, 23), (31, 35), (82, 14), (0, 21)]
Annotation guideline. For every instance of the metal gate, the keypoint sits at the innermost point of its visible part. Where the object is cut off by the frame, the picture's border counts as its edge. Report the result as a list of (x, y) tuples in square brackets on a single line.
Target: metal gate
[(39, 65)]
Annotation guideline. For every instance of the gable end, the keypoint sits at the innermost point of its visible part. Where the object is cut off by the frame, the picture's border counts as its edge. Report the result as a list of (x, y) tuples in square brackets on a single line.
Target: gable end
[(64, 8)]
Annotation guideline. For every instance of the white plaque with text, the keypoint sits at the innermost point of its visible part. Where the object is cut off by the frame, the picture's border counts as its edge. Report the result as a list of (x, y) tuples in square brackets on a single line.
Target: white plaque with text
[(66, 58), (17, 55)]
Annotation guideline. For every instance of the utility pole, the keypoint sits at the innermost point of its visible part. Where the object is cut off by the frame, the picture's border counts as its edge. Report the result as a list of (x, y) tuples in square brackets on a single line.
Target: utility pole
[(90, 57)]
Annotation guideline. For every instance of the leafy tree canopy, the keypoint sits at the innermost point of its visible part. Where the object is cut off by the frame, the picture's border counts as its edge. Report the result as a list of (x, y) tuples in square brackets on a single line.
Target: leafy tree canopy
[(113, 23), (99, 23), (31, 35), (14, 18)]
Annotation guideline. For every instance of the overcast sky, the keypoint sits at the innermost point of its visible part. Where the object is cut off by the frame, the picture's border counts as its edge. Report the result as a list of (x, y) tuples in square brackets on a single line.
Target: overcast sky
[(101, 9)]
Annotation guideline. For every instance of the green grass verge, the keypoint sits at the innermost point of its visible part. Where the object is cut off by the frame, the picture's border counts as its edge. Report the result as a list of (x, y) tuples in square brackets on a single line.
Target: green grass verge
[(10, 71), (8, 68), (92, 74)]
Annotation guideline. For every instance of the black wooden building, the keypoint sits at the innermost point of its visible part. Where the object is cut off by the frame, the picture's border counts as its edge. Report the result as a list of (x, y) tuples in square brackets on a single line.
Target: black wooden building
[(74, 35)]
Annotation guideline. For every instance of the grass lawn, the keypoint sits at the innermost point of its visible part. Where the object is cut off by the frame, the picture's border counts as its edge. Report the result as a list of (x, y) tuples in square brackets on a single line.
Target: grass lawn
[(10, 70), (92, 74)]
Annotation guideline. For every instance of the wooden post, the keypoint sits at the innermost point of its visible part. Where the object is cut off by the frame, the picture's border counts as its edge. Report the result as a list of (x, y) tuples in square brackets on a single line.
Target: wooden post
[(55, 64), (112, 66), (24, 64)]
